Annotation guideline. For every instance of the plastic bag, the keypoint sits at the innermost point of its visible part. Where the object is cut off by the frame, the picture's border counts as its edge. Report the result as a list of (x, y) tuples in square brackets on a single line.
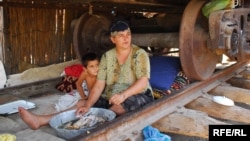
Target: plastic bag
[(152, 134)]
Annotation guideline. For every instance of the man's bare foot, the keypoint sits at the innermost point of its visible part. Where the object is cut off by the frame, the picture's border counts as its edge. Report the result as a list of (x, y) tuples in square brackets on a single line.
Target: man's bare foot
[(29, 118), (118, 109)]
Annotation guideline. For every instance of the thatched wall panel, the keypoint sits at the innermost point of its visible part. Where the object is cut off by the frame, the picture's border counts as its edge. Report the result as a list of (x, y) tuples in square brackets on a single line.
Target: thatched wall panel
[(1, 35), (38, 37)]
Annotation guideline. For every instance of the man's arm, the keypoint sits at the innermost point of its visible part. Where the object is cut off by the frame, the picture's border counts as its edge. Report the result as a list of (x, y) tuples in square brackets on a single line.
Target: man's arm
[(136, 88), (142, 71)]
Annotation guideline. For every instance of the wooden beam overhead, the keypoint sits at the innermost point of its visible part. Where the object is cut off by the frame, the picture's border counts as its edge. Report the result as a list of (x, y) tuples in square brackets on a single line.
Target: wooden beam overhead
[(46, 4), (96, 5)]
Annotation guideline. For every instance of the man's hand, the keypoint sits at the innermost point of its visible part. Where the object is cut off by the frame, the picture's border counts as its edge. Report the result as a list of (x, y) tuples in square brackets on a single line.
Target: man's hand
[(117, 99)]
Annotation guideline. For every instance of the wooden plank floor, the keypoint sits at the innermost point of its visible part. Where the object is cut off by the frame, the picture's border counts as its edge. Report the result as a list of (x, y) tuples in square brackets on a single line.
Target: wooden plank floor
[(186, 122), (220, 111), (194, 118)]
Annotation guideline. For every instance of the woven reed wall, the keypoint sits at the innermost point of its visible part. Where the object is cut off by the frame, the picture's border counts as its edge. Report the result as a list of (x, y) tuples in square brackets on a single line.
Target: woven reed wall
[(36, 37)]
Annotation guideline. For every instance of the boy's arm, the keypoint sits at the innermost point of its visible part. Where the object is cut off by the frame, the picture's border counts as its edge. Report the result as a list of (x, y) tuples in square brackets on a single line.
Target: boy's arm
[(94, 95), (79, 85)]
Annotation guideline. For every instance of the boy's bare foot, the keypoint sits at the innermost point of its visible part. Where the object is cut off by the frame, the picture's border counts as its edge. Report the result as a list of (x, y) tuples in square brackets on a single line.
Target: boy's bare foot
[(29, 118)]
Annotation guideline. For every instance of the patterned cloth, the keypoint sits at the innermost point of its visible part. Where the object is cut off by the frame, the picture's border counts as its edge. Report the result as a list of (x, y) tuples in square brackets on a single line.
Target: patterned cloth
[(70, 76), (67, 84), (180, 82)]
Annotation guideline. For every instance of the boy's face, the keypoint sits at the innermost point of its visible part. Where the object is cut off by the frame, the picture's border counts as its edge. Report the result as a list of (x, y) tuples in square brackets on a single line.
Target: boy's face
[(92, 67)]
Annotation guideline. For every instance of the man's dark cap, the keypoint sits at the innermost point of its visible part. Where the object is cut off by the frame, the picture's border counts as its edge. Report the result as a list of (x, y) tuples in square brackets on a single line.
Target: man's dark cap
[(119, 25)]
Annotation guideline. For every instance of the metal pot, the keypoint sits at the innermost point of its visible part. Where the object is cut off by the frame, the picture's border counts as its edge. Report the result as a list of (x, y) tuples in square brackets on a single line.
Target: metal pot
[(67, 116)]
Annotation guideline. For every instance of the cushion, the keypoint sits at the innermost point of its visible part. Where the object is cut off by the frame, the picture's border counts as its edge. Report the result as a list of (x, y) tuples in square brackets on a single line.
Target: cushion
[(164, 70), (74, 70)]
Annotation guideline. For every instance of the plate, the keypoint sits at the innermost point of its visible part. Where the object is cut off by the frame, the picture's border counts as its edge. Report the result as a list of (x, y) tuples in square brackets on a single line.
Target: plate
[(12, 107), (223, 100), (3, 77)]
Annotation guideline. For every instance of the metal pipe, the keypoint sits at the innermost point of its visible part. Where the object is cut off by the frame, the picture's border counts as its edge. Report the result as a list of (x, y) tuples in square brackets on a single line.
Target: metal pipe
[(158, 40)]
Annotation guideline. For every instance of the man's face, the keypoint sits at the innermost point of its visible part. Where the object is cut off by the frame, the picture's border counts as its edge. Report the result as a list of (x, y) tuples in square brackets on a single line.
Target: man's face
[(93, 67), (122, 39)]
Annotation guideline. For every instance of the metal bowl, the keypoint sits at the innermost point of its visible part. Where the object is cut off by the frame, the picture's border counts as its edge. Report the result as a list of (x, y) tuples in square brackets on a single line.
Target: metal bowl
[(67, 116)]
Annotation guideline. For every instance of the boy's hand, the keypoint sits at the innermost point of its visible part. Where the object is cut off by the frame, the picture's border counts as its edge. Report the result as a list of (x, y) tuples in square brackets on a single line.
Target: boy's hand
[(81, 111)]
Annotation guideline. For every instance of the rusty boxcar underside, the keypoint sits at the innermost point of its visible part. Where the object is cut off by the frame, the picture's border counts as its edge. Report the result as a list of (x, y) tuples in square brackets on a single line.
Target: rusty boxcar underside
[(40, 33)]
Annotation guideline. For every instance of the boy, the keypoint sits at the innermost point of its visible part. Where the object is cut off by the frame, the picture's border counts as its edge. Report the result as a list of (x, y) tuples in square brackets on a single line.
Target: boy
[(84, 83), (90, 62)]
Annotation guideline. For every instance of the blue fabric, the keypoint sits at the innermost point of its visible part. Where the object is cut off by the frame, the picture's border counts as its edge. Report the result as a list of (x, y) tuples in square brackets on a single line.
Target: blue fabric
[(152, 134), (164, 70)]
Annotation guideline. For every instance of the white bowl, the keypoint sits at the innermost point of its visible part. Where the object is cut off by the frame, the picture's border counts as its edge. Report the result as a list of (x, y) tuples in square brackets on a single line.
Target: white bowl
[(223, 100)]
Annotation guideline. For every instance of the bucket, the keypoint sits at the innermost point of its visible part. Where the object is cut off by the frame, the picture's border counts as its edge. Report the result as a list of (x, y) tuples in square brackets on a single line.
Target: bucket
[(67, 116)]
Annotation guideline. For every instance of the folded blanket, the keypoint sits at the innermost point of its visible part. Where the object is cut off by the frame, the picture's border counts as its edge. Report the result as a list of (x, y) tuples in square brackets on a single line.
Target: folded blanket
[(67, 101), (70, 99)]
